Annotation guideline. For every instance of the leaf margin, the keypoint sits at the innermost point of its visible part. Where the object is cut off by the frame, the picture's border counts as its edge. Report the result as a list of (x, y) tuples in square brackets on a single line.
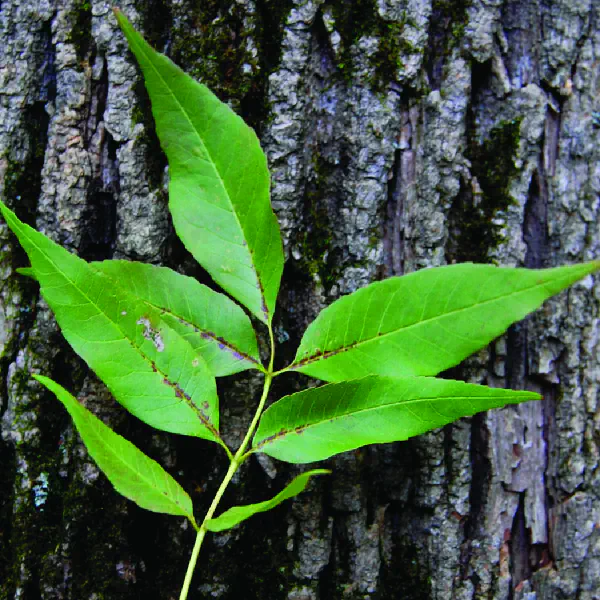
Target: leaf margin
[(80, 415), (234, 516), (315, 364), (271, 431), (264, 312), (250, 355), (207, 426)]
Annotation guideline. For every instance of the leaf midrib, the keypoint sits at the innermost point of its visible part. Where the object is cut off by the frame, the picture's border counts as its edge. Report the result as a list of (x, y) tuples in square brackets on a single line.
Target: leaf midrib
[(333, 351), (278, 436), (212, 163)]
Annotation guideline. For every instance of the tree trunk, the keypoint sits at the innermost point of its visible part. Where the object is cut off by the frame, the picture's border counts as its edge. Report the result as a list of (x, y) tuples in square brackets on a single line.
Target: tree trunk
[(401, 134)]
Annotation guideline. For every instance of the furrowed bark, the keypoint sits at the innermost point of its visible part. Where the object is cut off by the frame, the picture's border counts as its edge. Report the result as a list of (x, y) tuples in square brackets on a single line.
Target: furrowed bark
[(400, 134)]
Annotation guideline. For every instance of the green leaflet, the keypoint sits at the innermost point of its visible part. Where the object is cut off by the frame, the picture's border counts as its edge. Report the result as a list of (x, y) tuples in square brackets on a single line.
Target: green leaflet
[(215, 326), (219, 182), (134, 475), (425, 322), (150, 369), (320, 422), (235, 515)]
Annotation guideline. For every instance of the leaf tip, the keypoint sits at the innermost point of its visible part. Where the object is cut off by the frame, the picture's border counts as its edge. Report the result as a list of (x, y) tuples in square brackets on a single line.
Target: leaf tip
[(4, 210), (118, 14), (26, 272), (122, 20), (48, 383)]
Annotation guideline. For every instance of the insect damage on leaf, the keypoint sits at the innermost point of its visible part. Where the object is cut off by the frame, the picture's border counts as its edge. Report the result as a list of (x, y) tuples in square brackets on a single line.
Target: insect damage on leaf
[(214, 325), (152, 334), (201, 411)]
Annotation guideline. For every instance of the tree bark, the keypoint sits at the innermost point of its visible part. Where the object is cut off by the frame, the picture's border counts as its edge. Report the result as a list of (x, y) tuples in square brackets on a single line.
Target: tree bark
[(401, 134)]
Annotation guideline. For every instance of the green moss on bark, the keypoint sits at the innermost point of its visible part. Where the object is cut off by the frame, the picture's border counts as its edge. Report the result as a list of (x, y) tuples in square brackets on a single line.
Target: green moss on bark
[(315, 239), (361, 18), (472, 222), (231, 51), (81, 33), (452, 17), (209, 41), (22, 184), (35, 508)]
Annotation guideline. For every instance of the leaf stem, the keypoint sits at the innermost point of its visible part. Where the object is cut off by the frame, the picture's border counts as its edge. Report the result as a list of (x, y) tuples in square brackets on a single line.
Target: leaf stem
[(284, 370), (225, 447), (190, 570), (236, 460), (233, 467)]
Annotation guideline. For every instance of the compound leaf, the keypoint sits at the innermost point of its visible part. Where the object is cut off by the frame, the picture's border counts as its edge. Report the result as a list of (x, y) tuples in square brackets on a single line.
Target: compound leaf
[(320, 422), (235, 515), (425, 322), (219, 182), (215, 326), (134, 475), (150, 369)]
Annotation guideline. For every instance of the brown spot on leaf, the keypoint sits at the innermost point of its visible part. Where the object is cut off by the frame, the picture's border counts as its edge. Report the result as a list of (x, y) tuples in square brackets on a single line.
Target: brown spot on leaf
[(273, 437), (222, 342)]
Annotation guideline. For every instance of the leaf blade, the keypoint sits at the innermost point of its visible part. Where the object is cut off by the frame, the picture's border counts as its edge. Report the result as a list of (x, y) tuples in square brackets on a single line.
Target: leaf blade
[(317, 423), (216, 327), (235, 515), (216, 163), (423, 323), (123, 340), (133, 474)]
